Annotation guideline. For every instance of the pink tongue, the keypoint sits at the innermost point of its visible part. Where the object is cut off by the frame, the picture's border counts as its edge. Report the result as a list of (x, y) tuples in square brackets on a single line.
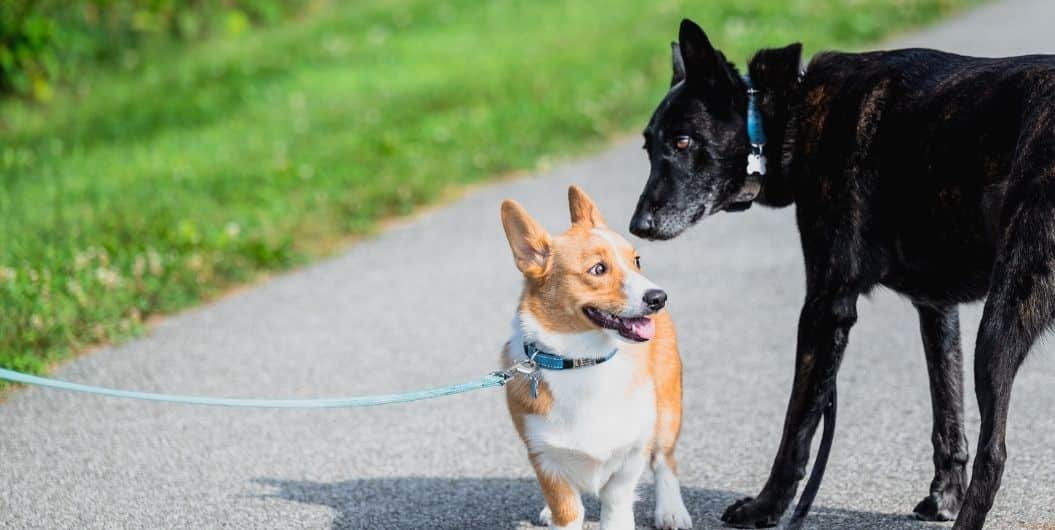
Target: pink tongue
[(644, 328)]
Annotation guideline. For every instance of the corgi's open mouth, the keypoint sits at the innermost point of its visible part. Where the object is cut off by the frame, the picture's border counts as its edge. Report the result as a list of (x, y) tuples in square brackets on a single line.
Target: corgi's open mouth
[(637, 329)]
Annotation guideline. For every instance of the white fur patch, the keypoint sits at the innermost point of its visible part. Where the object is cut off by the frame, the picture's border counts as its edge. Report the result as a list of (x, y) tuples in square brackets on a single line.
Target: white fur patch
[(597, 424)]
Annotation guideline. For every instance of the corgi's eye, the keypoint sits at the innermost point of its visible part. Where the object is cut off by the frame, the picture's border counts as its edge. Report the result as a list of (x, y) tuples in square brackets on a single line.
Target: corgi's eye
[(637, 262), (598, 270), (682, 142)]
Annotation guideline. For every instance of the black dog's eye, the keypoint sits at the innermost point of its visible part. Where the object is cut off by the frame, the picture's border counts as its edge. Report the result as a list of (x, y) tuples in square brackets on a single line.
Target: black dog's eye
[(682, 142), (637, 261), (598, 270)]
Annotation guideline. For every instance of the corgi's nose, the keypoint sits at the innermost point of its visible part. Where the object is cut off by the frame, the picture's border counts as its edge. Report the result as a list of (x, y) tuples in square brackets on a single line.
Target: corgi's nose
[(655, 299)]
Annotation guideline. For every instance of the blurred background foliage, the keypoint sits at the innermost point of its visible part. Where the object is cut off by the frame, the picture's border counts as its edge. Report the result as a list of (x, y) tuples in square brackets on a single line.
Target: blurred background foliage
[(45, 41), (156, 152)]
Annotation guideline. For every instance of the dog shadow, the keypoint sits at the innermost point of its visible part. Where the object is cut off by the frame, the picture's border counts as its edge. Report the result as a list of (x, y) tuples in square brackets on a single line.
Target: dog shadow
[(463, 503)]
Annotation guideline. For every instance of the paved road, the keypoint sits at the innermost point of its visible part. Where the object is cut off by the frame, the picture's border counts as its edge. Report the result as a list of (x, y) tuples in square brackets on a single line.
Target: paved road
[(429, 302)]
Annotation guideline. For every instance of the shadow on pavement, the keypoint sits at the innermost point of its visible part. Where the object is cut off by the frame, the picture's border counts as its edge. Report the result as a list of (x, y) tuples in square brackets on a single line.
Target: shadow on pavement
[(503, 503)]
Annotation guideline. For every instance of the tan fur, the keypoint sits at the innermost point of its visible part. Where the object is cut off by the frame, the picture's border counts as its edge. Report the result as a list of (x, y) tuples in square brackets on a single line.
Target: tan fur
[(557, 286), (665, 365), (564, 503)]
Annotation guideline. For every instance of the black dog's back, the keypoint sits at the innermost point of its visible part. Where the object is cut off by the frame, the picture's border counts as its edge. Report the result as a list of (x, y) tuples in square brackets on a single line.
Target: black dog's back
[(920, 144)]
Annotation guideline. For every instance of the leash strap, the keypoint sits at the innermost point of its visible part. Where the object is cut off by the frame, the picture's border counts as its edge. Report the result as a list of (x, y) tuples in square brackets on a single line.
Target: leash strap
[(491, 380), (819, 464)]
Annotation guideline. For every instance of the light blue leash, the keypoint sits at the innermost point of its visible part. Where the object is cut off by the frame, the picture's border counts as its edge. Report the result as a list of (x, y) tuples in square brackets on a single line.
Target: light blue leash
[(529, 367), (491, 380)]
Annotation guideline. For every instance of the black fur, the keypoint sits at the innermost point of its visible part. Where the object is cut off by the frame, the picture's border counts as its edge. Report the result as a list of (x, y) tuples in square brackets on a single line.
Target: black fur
[(929, 173)]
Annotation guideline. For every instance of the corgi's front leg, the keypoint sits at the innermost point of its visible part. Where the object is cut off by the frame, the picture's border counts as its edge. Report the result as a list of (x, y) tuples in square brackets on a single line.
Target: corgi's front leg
[(618, 494), (564, 510), (670, 508)]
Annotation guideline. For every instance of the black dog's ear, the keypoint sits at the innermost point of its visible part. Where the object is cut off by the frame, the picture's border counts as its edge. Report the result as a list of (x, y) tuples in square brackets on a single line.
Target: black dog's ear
[(678, 63), (778, 64), (776, 67), (704, 66)]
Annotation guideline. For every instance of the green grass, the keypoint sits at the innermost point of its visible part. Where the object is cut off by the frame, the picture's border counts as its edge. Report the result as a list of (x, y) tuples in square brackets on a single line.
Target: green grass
[(147, 186)]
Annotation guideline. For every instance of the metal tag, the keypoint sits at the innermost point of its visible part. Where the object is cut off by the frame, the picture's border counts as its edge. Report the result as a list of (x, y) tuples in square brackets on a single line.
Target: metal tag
[(756, 164)]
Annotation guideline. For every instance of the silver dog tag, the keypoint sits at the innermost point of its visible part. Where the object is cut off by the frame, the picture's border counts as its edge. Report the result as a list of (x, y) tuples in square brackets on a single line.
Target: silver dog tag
[(756, 164)]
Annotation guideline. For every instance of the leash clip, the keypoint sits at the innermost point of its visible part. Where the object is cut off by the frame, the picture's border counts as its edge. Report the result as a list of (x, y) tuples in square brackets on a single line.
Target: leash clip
[(526, 367)]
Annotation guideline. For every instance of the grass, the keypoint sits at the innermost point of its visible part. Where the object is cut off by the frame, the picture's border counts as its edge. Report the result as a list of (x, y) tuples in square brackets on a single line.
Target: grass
[(149, 185)]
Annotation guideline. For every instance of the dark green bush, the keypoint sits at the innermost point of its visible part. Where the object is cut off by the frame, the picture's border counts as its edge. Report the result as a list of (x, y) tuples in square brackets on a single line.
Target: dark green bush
[(43, 42)]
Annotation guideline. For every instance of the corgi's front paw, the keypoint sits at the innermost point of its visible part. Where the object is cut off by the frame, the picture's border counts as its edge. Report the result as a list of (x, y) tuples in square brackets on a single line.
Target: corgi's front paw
[(671, 514), (545, 517)]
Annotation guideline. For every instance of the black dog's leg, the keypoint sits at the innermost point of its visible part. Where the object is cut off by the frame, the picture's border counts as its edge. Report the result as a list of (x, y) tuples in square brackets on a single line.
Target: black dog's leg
[(940, 328), (824, 326), (1003, 342), (1020, 306)]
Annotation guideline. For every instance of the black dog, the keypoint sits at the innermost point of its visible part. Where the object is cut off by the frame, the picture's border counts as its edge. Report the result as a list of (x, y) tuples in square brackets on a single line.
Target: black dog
[(929, 173)]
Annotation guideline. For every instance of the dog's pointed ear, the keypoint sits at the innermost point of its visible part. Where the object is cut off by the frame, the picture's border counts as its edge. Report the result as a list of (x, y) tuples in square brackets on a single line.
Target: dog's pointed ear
[(529, 242), (699, 57), (677, 63), (704, 66), (790, 61), (583, 210), (777, 67)]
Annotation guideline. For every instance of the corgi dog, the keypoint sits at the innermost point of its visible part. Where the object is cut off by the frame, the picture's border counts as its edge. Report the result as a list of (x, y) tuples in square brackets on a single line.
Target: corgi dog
[(603, 396)]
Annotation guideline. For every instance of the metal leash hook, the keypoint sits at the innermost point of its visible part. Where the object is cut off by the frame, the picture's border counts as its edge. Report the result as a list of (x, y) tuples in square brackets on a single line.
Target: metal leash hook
[(531, 370), (526, 367)]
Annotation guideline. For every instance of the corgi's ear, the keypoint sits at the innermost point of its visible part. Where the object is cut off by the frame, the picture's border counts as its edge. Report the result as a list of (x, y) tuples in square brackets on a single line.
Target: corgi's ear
[(528, 240), (583, 209)]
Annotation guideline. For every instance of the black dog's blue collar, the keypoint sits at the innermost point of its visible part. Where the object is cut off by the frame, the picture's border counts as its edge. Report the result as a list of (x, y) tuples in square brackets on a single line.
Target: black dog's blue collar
[(756, 159), (551, 361), (756, 133)]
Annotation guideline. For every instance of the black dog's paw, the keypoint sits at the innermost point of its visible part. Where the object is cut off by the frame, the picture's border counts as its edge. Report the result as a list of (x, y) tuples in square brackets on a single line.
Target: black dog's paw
[(752, 513), (945, 499), (938, 507)]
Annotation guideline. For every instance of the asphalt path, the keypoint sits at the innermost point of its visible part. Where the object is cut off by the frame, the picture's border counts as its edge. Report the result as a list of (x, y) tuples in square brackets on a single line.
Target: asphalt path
[(429, 302)]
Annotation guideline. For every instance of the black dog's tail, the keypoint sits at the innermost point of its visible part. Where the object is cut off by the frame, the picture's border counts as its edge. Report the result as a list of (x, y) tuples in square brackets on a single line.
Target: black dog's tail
[(819, 465)]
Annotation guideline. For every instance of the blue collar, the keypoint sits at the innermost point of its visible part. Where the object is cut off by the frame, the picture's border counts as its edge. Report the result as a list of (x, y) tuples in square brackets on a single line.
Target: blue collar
[(551, 361), (756, 134)]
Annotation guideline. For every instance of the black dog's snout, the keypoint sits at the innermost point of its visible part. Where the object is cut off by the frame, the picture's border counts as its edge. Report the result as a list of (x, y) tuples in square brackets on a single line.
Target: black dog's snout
[(655, 299), (641, 225)]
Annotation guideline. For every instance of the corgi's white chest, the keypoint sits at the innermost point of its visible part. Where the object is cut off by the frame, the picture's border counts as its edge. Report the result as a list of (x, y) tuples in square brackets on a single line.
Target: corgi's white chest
[(597, 420)]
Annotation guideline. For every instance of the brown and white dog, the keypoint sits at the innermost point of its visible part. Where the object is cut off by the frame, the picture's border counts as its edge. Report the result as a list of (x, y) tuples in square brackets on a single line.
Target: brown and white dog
[(616, 406)]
